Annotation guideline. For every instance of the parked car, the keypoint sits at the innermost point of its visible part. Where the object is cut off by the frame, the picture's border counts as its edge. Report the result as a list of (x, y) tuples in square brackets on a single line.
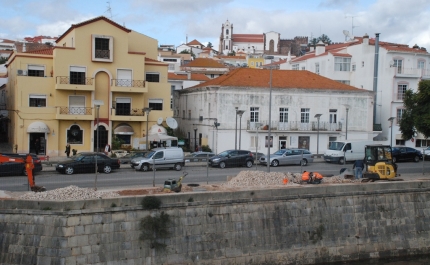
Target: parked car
[(13, 168), (162, 157), (232, 158), (128, 157), (198, 156), (291, 156), (86, 162), (402, 153), (427, 151)]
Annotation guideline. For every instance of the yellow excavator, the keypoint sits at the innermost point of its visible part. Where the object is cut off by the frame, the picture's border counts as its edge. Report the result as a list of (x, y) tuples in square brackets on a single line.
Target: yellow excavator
[(379, 163), (173, 185)]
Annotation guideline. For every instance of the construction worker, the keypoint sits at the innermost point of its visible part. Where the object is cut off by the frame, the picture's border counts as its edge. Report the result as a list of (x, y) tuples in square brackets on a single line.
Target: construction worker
[(317, 177), (306, 176)]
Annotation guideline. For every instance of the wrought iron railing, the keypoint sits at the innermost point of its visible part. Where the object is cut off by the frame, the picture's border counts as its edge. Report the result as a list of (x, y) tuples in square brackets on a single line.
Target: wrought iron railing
[(129, 112), (76, 110), (67, 80), (102, 54), (294, 126), (128, 83)]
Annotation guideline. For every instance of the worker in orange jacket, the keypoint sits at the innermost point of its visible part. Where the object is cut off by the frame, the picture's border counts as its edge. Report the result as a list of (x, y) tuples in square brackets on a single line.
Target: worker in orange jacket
[(306, 176), (312, 177)]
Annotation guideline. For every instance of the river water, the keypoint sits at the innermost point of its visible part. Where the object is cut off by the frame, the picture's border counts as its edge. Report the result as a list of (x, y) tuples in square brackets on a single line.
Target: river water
[(415, 260)]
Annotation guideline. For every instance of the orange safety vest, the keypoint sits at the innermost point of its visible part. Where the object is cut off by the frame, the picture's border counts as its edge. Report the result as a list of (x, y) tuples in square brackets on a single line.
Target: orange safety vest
[(318, 175), (305, 176)]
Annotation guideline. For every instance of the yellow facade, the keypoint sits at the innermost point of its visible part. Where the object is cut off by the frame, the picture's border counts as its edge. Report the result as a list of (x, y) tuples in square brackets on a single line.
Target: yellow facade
[(255, 61), (51, 94)]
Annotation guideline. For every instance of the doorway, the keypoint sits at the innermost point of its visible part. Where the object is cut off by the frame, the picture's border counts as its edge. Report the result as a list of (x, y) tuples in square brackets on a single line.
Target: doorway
[(282, 142), (37, 143), (103, 138)]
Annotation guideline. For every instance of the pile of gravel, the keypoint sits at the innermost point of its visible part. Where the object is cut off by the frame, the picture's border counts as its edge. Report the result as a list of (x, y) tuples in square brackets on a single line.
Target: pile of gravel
[(261, 178), (69, 193)]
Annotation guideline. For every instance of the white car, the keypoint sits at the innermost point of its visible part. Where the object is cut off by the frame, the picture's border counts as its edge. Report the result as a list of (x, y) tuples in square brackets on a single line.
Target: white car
[(427, 151)]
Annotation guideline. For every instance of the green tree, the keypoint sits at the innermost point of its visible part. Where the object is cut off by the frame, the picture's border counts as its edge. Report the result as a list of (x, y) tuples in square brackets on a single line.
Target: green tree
[(416, 115), (3, 60), (188, 52), (210, 45), (324, 38), (232, 53)]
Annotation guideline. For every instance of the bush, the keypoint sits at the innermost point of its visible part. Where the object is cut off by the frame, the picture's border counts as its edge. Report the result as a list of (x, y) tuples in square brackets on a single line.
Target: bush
[(151, 203)]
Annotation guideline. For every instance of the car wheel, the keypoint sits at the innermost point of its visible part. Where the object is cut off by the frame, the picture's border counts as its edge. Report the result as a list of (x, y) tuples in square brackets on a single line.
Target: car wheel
[(107, 169), (178, 167), (416, 159), (341, 161), (249, 163), (144, 167), (69, 170), (304, 162), (222, 165), (275, 163), (394, 159)]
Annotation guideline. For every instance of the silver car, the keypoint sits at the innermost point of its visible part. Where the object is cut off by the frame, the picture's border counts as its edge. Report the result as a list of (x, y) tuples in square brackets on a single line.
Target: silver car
[(288, 157)]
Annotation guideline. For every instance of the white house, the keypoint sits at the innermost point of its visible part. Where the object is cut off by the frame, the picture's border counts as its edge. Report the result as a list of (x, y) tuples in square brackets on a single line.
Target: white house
[(399, 68), (297, 97)]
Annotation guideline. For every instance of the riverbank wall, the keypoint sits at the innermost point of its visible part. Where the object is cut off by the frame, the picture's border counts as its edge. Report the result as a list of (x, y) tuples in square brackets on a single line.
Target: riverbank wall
[(309, 224)]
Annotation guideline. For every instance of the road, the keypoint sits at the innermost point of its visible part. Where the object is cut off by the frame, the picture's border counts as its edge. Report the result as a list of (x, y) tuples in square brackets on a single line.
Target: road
[(125, 177)]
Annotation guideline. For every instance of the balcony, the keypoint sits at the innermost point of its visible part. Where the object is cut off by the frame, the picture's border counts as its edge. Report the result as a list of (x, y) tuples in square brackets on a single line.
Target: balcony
[(409, 72), (75, 113), (295, 126), (425, 73), (398, 97), (127, 115), (128, 85), (65, 83)]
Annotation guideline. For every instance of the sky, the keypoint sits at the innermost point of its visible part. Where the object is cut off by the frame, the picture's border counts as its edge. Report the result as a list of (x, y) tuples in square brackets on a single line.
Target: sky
[(176, 21)]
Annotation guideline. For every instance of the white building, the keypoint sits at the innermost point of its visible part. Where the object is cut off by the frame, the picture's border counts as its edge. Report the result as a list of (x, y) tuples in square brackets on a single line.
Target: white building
[(297, 96), (399, 68)]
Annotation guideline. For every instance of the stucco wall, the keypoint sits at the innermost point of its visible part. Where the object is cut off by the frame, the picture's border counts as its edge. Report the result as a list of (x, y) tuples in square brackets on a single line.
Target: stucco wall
[(304, 225)]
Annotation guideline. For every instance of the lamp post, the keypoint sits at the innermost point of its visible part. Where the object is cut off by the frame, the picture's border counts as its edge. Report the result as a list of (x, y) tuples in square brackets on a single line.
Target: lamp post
[(235, 130), (240, 113), (97, 104), (270, 122), (347, 110), (195, 139), (256, 144), (147, 111), (391, 137), (318, 133)]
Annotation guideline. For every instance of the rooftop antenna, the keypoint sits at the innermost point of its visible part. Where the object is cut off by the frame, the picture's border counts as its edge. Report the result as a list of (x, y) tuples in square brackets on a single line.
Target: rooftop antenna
[(352, 25), (109, 10)]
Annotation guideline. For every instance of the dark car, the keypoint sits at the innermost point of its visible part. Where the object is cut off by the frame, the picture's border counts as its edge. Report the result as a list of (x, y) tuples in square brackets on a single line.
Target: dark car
[(13, 168), (128, 157), (198, 156), (401, 153), (86, 162), (232, 158)]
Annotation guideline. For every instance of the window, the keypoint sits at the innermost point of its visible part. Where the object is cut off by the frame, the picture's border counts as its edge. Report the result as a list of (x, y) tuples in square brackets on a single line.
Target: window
[(353, 67), (212, 76), (156, 104), (254, 113), (124, 77), (330, 140), (254, 141), (183, 115), (400, 142), (77, 75), (421, 64), (342, 64), (295, 67), (283, 114), (37, 100), (333, 116), (398, 63), (303, 68), (362, 64), (171, 67), (75, 135), (170, 60), (189, 114), (153, 77), (36, 70), (226, 31), (317, 68), (346, 82), (399, 115), (125, 139), (401, 90), (77, 105), (304, 115), (123, 106), (102, 48)]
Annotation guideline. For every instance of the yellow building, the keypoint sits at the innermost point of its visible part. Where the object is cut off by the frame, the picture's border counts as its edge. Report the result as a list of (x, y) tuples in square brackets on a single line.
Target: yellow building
[(53, 94), (255, 61)]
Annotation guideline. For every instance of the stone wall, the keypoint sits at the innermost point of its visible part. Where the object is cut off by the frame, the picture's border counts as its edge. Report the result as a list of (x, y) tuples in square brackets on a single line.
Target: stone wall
[(304, 225)]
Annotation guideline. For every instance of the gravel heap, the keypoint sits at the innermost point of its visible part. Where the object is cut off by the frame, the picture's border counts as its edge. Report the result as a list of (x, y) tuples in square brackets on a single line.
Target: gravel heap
[(261, 178), (69, 193)]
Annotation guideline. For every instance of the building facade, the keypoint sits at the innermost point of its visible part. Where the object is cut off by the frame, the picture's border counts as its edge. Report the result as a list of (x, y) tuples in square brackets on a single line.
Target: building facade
[(91, 87), (297, 97)]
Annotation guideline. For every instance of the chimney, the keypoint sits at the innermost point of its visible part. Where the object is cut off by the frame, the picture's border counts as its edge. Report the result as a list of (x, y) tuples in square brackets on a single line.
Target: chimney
[(320, 49), (366, 39), (416, 47)]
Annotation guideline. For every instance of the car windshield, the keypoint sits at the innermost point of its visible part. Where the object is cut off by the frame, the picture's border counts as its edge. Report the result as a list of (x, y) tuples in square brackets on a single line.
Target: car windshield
[(78, 157), (149, 154), (225, 153), (336, 146)]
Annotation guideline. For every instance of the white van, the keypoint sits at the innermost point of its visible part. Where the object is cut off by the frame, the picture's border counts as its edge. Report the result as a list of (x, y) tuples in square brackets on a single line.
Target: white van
[(162, 157), (348, 150)]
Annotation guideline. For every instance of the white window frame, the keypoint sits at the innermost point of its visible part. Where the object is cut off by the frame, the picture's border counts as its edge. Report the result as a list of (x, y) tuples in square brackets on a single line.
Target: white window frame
[(72, 107), (342, 64), (304, 115), (93, 49), (254, 114), (333, 116), (295, 67), (317, 68), (401, 87), (398, 64), (37, 68), (399, 114), (124, 82), (283, 115)]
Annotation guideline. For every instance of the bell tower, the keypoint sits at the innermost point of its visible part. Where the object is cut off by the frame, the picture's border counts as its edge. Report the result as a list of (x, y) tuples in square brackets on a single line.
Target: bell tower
[(226, 40)]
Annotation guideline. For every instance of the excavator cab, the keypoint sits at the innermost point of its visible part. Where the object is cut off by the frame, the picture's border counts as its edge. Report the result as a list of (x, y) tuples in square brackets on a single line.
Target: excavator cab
[(173, 185), (378, 162)]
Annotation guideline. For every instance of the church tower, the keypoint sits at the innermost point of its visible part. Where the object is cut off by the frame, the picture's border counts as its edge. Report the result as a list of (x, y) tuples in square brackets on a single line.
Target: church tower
[(226, 42)]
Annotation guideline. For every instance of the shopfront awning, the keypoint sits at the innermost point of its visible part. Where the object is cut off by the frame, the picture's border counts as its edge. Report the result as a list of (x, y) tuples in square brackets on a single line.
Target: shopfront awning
[(123, 129), (160, 137), (38, 127)]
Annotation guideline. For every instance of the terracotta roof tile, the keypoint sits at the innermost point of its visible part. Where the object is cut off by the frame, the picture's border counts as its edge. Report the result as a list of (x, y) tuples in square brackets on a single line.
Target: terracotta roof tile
[(194, 42), (195, 77), (49, 51), (249, 77), (205, 62), (248, 37), (232, 57)]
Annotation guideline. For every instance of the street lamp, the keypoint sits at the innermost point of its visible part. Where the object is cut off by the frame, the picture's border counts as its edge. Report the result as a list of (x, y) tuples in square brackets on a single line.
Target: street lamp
[(97, 104), (147, 111), (240, 113), (270, 122), (391, 137), (195, 139), (235, 130), (318, 134), (347, 110)]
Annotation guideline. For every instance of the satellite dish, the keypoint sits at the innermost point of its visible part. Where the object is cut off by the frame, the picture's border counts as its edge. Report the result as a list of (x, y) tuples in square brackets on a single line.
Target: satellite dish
[(160, 121), (172, 123)]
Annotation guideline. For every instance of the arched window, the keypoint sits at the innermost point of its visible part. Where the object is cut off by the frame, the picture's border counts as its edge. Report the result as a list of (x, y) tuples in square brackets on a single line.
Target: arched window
[(75, 135), (226, 32)]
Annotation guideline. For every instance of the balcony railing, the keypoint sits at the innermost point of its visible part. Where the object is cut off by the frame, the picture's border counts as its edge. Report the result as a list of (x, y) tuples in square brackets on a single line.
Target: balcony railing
[(129, 112), (128, 83), (102, 54), (295, 126), (399, 96), (76, 110), (66, 80)]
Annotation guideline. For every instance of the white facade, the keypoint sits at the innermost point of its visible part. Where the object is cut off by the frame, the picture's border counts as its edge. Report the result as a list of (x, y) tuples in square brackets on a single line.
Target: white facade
[(184, 47), (399, 68), (292, 116)]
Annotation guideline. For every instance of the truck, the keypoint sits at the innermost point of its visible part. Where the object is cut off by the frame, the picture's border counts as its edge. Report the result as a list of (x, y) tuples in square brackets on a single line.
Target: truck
[(346, 151)]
